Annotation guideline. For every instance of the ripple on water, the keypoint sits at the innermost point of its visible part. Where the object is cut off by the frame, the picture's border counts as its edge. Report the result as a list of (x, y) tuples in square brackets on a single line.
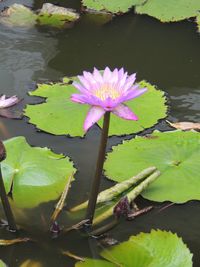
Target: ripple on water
[(24, 54), (186, 105)]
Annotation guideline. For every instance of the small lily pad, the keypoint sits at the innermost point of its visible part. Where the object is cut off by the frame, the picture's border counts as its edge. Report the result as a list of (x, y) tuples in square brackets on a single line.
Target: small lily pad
[(170, 10), (56, 16), (155, 249), (32, 174), (113, 6), (59, 115), (176, 154), (18, 15)]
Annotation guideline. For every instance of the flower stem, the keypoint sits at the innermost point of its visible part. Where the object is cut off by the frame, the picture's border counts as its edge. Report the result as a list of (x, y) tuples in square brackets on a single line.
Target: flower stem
[(3, 195), (99, 168)]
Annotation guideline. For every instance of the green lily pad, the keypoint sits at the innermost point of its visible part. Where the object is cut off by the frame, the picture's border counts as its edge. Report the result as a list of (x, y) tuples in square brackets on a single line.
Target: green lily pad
[(170, 10), (114, 6), (18, 15), (94, 263), (155, 249), (59, 115), (56, 16), (176, 154), (2, 264), (32, 174)]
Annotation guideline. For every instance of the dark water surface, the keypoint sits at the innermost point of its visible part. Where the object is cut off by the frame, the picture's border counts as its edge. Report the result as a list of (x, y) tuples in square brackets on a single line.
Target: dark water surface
[(164, 54)]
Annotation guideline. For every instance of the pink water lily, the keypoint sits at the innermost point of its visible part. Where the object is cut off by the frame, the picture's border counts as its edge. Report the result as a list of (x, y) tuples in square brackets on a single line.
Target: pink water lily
[(6, 102), (107, 92)]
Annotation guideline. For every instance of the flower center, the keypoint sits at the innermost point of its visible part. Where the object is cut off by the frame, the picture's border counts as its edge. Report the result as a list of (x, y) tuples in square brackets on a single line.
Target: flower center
[(106, 91)]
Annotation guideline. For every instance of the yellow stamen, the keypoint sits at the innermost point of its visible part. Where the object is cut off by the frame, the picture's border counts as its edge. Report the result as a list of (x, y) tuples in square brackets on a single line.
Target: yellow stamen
[(107, 91)]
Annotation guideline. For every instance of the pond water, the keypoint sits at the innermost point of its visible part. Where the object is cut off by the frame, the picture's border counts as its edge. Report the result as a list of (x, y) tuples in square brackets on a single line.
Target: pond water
[(164, 54)]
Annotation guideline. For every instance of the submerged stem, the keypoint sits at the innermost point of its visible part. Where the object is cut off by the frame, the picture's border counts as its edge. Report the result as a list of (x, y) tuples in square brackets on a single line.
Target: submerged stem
[(112, 192), (99, 167), (3, 195), (131, 196)]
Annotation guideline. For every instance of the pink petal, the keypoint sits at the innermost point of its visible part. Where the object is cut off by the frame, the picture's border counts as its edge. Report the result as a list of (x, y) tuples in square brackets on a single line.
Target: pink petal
[(122, 81), (8, 102), (97, 76), (78, 98), (3, 97), (85, 99), (124, 112), (94, 114), (114, 77), (90, 79), (121, 73), (85, 82), (130, 94), (129, 82), (109, 104), (80, 88), (107, 74)]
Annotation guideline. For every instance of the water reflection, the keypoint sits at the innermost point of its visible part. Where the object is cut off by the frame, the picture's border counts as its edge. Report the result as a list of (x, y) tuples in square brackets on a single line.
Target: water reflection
[(23, 53), (186, 104)]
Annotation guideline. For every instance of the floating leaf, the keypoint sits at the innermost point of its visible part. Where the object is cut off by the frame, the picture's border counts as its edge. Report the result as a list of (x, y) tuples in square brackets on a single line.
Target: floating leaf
[(59, 115), (170, 10), (4, 242), (31, 263), (176, 154), (18, 15), (185, 125), (33, 174), (72, 255), (114, 6), (56, 16), (155, 249), (51, 15), (60, 204)]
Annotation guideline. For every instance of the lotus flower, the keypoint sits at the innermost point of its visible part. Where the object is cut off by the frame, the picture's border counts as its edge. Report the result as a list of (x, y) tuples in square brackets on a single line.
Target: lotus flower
[(8, 102), (107, 92)]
